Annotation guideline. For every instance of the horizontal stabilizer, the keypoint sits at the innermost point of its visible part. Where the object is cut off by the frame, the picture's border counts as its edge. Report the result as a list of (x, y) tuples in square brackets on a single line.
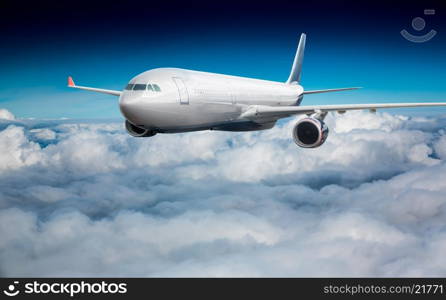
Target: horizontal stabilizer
[(330, 90)]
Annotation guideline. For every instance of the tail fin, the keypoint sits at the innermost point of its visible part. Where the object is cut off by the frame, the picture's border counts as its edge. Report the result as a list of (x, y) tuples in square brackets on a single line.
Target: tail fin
[(298, 60)]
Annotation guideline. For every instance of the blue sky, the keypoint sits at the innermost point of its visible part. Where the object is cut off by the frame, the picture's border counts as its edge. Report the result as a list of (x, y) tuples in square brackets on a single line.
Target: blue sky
[(360, 46)]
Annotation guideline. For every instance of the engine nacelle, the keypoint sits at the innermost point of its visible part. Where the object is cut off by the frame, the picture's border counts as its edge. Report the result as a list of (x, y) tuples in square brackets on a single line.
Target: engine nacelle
[(310, 133), (137, 131)]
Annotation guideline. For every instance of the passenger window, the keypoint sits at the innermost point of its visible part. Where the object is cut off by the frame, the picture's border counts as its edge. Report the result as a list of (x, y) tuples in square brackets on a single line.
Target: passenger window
[(149, 87), (139, 87), (129, 86), (156, 88)]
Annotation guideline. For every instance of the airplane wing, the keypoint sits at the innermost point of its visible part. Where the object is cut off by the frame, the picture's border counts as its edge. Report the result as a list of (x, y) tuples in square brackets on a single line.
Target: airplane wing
[(277, 112), (110, 92)]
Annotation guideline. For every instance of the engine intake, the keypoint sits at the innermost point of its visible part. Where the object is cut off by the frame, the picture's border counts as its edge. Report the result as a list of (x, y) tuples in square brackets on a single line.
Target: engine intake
[(310, 133), (137, 131)]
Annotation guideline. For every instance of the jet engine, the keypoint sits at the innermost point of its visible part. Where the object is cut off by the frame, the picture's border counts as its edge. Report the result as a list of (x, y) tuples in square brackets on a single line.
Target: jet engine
[(137, 131), (310, 133)]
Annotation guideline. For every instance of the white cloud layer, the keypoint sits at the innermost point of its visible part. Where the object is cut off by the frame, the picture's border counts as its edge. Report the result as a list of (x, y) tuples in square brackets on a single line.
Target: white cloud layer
[(6, 114), (86, 199)]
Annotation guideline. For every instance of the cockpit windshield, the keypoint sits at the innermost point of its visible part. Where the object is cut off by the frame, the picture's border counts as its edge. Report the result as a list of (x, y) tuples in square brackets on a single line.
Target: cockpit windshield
[(143, 87), (139, 87)]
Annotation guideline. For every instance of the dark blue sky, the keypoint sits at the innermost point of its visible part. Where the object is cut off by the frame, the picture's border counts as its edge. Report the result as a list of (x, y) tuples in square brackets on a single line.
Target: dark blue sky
[(105, 44)]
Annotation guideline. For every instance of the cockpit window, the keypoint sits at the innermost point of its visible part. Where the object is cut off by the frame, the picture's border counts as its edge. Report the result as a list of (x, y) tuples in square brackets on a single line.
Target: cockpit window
[(142, 87), (139, 87), (129, 86), (156, 88)]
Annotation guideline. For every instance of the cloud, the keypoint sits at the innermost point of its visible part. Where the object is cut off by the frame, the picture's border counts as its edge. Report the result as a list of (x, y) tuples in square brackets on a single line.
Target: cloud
[(6, 115), (86, 199)]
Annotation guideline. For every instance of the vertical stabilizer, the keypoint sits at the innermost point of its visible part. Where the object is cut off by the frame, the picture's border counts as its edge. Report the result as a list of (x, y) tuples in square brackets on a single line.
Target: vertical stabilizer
[(296, 70)]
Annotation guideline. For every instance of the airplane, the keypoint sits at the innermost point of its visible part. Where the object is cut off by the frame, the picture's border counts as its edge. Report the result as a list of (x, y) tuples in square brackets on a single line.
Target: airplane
[(172, 100)]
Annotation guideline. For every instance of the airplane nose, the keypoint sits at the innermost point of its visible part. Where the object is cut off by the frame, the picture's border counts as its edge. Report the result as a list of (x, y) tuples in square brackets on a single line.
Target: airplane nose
[(129, 107)]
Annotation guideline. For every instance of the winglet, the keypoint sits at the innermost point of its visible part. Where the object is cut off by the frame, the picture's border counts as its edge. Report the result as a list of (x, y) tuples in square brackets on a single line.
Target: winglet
[(70, 81)]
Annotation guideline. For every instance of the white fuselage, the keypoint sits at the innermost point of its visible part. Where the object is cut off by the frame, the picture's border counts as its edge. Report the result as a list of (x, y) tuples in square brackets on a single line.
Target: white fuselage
[(191, 100)]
